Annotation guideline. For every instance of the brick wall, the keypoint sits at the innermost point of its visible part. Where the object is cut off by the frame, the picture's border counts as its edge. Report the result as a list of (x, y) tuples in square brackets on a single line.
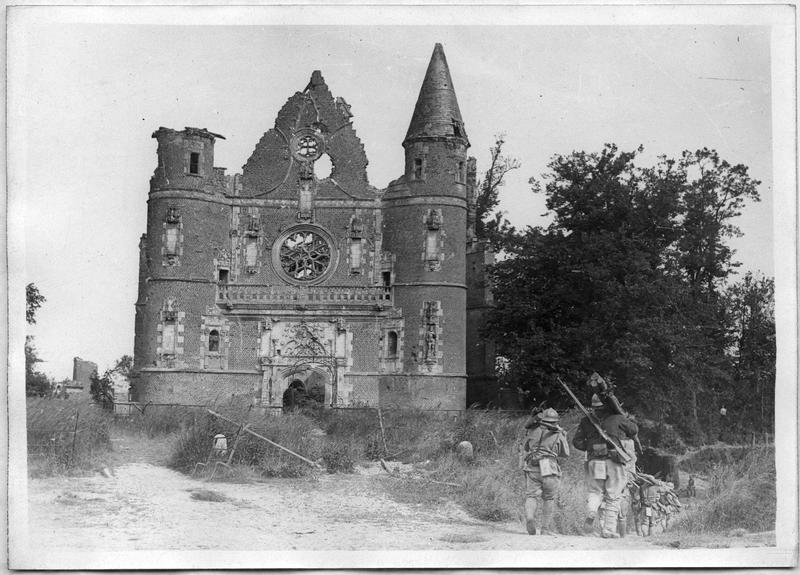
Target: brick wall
[(366, 345), (243, 345), (194, 387), (429, 392)]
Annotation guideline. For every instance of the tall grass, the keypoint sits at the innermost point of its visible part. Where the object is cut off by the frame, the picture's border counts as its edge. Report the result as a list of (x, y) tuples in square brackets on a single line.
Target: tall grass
[(159, 420), (66, 435), (741, 495), (294, 431)]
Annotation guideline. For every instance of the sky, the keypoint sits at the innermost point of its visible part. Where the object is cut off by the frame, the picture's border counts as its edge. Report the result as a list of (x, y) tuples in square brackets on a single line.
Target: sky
[(85, 95)]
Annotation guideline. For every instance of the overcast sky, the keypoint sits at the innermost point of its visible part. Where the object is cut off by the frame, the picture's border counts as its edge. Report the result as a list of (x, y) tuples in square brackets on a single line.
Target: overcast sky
[(85, 99)]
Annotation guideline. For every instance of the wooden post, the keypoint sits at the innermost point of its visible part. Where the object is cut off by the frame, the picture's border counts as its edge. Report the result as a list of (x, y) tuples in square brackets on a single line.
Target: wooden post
[(383, 434), (74, 436), (253, 433)]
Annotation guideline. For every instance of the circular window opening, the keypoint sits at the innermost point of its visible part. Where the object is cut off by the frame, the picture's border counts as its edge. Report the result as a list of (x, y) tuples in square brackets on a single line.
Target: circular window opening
[(304, 255)]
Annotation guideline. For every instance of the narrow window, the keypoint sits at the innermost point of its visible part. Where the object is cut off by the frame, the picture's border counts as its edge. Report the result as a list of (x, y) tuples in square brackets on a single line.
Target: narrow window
[(213, 341), (432, 244), (251, 254), (391, 345), (387, 279), (172, 241), (223, 276), (355, 256), (417, 168), (168, 337), (460, 173), (305, 201), (194, 163)]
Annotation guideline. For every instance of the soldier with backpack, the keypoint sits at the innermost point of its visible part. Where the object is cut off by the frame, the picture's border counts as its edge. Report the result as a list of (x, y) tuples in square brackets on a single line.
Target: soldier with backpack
[(606, 473), (543, 444)]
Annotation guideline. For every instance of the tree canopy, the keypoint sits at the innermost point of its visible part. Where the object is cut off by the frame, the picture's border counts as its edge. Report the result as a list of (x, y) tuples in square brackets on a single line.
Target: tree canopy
[(628, 280), (33, 301)]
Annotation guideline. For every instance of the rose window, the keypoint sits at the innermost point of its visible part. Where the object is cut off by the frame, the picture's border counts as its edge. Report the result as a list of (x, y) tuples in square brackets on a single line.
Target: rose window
[(308, 147), (305, 255)]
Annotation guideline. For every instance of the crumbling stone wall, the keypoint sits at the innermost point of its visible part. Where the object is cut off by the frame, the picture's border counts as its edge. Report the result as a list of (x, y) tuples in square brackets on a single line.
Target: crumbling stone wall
[(214, 257)]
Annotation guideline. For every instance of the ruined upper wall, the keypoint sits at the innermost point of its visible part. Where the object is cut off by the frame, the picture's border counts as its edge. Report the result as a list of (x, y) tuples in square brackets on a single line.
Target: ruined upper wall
[(311, 125)]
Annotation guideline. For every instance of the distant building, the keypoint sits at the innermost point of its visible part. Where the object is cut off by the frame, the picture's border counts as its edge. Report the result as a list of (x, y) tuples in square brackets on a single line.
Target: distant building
[(82, 372), (299, 272)]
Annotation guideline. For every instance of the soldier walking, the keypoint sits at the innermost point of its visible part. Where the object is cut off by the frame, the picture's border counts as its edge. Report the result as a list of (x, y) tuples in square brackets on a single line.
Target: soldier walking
[(606, 472), (543, 444)]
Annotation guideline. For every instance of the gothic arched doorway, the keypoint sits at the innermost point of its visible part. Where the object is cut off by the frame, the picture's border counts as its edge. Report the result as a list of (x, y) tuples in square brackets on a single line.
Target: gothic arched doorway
[(305, 387)]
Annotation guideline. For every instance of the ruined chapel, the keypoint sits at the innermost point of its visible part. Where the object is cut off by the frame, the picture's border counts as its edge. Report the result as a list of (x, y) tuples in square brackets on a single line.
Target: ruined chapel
[(286, 275)]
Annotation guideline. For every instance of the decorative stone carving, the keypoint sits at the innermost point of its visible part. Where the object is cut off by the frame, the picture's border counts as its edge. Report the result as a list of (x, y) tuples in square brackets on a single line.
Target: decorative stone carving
[(304, 340), (356, 227), (172, 216), (431, 316), (434, 220)]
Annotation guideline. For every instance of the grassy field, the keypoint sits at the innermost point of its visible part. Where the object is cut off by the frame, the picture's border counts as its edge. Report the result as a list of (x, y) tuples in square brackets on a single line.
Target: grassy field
[(741, 481)]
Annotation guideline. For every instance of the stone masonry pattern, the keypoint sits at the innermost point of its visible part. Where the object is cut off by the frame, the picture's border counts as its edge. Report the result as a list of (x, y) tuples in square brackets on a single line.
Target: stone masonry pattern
[(251, 282)]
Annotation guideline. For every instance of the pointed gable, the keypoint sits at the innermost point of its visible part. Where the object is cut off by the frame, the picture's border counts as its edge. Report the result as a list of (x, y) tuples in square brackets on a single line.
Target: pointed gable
[(313, 117)]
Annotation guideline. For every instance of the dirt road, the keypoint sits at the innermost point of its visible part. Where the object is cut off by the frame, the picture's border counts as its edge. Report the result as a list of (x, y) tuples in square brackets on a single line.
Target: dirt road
[(143, 505)]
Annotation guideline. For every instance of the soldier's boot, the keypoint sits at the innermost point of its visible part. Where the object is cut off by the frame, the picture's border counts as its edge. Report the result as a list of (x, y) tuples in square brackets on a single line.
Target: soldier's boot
[(588, 526), (597, 528), (622, 526), (548, 507), (530, 515), (608, 525)]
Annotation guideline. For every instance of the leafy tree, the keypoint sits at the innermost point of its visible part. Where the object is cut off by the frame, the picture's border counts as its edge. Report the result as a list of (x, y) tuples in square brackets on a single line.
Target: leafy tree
[(33, 301), (36, 383), (101, 388), (751, 305), (489, 224), (625, 281)]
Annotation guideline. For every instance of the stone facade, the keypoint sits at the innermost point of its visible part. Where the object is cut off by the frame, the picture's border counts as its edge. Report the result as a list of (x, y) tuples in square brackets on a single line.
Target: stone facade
[(253, 281)]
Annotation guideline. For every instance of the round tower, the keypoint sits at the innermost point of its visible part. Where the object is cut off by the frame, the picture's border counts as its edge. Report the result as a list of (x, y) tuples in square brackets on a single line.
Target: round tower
[(188, 225), (425, 222)]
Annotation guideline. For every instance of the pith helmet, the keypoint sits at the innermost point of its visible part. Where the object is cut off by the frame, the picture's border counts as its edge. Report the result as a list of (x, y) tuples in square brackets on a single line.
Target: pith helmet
[(596, 401), (550, 415), (595, 379)]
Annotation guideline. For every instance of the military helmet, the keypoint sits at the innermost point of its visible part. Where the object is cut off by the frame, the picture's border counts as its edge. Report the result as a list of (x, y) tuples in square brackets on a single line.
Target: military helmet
[(596, 402), (549, 415), (595, 379)]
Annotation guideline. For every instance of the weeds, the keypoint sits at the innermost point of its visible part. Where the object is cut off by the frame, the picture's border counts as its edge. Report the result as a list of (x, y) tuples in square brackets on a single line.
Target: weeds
[(741, 496), (294, 431), (66, 435)]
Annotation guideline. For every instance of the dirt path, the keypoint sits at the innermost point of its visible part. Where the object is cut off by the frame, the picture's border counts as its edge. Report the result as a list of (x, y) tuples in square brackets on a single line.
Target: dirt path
[(146, 506)]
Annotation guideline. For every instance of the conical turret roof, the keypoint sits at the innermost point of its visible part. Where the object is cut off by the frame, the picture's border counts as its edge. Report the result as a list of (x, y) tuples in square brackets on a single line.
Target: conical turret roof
[(436, 113)]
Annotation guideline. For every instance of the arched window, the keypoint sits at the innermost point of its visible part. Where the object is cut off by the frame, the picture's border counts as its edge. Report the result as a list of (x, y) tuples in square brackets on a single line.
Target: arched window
[(213, 340), (391, 344)]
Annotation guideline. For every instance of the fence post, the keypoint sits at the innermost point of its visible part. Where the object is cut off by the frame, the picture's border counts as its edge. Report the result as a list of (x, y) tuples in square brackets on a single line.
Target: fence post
[(74, 437), (383, 434)]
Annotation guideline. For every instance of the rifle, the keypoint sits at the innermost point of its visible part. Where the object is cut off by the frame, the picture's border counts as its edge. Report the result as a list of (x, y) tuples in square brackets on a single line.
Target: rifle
[(606, 437), (605, 391)]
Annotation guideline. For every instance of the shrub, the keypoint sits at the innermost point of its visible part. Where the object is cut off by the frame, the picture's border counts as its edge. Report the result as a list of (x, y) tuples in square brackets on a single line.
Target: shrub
[(294, 431), (741, 495), (660, 435), (339, 456)]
